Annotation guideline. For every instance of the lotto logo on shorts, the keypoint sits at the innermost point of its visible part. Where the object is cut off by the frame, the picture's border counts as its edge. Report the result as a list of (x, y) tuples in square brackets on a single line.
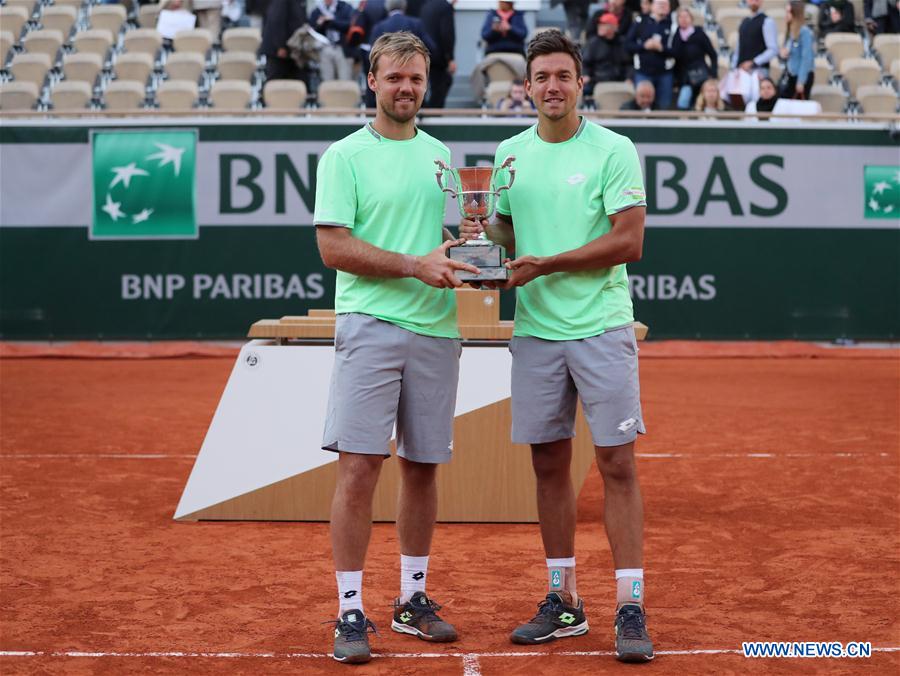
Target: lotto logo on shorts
[(636, 589)]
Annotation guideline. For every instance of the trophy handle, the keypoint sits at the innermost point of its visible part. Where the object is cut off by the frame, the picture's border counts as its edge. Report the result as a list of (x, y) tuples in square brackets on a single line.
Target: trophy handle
[(507, 164), (439, 175)]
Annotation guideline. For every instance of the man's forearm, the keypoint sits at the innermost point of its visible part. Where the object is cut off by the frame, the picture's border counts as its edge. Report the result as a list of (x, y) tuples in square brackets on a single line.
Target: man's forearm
[(604, 252), (501, 232), (367, 260)]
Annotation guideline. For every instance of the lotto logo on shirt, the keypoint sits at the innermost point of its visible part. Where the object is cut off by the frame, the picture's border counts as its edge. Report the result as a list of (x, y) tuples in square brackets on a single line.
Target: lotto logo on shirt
[(882, 192)]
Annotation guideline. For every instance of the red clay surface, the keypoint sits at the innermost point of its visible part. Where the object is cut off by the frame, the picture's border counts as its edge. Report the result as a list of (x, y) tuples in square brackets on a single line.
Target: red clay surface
[(802, 544)]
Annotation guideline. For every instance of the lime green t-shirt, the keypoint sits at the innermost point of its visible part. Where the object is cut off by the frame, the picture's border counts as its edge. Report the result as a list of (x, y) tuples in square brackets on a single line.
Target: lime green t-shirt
[(386, 193), (561, 199)]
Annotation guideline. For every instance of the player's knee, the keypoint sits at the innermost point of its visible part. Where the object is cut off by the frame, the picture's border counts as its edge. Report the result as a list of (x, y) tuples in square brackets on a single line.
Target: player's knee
[(549, 465), (358, 474), (616, 464)]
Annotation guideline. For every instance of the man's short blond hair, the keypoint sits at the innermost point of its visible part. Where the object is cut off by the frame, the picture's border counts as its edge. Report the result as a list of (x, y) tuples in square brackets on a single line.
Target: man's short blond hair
[(401, 46)]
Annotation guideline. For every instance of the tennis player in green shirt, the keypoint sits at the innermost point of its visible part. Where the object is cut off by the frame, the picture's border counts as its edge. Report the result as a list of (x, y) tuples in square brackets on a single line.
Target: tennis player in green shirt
[(575, 217), (379, 221)]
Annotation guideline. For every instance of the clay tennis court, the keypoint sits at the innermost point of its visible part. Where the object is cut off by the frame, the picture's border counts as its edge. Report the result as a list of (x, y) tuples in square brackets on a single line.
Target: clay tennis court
[(770, 475)]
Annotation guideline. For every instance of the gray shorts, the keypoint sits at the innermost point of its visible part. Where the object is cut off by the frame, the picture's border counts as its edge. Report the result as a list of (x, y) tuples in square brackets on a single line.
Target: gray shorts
[(384, 374), (548, 376)]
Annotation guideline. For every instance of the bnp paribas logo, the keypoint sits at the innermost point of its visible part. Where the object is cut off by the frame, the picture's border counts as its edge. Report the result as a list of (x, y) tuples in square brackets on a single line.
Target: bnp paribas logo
[(144, 184), (882, 192)]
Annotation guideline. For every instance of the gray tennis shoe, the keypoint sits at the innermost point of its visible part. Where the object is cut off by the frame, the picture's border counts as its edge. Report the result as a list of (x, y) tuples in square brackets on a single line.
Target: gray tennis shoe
[(633, 643), (351, 638)]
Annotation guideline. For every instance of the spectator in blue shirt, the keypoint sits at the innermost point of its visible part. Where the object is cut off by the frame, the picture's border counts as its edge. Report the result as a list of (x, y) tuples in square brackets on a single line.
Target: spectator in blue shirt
[(650, 39), (799, 53), (504, 30)]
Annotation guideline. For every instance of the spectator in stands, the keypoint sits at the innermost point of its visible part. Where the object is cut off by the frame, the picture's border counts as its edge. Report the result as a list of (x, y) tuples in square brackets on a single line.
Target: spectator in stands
[(369, 13), (619, 10), (438, 19), (332, 18), (650, 39), (184, 19), (836, 16), (516, 101), (799, 54), (768, 97), (644, 98), (882, 16), (757, 41), (397, 21), (576, 16), (604, 57), (283, 18), (696, 59), (256, 12), (709, 100), (209, 16), (504, 30)]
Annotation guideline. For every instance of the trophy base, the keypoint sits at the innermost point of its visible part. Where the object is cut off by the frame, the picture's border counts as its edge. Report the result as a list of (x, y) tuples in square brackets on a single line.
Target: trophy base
[(487, 257)]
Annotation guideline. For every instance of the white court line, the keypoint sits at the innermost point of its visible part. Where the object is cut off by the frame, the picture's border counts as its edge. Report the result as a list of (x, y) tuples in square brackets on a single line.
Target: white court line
[(468, 658), (650, 456)]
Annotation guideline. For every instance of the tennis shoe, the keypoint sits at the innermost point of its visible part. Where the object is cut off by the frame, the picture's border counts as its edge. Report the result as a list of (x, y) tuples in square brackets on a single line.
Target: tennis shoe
[(557, 617), (351, 638), (633, 643), (419, 617)]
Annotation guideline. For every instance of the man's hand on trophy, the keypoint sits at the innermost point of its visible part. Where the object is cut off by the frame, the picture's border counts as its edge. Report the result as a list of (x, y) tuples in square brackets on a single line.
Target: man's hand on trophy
[(435, 269), (469, 229), (522, 270)]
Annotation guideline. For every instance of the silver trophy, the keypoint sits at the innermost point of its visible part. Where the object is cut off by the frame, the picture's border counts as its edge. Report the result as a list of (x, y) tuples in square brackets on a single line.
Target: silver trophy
[(477, 198)]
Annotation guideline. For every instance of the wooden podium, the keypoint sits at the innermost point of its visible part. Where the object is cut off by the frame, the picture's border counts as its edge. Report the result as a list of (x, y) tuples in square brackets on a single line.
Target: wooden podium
[(261, 458)]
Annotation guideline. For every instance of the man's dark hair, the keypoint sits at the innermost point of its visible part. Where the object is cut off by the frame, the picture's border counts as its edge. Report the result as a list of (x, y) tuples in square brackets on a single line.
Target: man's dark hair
[(551, 41)]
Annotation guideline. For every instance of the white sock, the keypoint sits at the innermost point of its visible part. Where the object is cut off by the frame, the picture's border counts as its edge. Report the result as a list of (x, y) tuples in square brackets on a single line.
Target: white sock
[(413, 573), (349, 590), (561, 576), (630, 586)]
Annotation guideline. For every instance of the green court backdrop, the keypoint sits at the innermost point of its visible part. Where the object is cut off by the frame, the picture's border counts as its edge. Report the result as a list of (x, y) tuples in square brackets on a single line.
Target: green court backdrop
[(196, 228)]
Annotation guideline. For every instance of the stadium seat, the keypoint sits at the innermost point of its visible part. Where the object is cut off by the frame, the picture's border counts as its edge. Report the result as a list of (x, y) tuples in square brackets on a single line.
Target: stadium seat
[(832, 98), (43, 42), (776, 14), (136, 67), (730, 19), (718, 5), (288, 94), (59, 18), (77, 4), (512, 67), (823, 70), (197, 40), (93, 42), (857, 72), (82, 67), (148, 15), (27, 5), (176, 95), (185, 66), (142, 41), (241, 40), (877, 99), (68, 95), (124, 95), (494, 92), (895, 70), (30, 68), (12, 19), (842, 46), (108, 17), (231, 94), (18, 95), (888, 46), (6, 43), (723, 67), (339, 94), (611, 95), (236, 65), (714, 39)]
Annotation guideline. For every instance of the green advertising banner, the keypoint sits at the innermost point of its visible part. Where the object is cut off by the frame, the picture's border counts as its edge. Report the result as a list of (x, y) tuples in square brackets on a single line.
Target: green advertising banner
[(195, 231)]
